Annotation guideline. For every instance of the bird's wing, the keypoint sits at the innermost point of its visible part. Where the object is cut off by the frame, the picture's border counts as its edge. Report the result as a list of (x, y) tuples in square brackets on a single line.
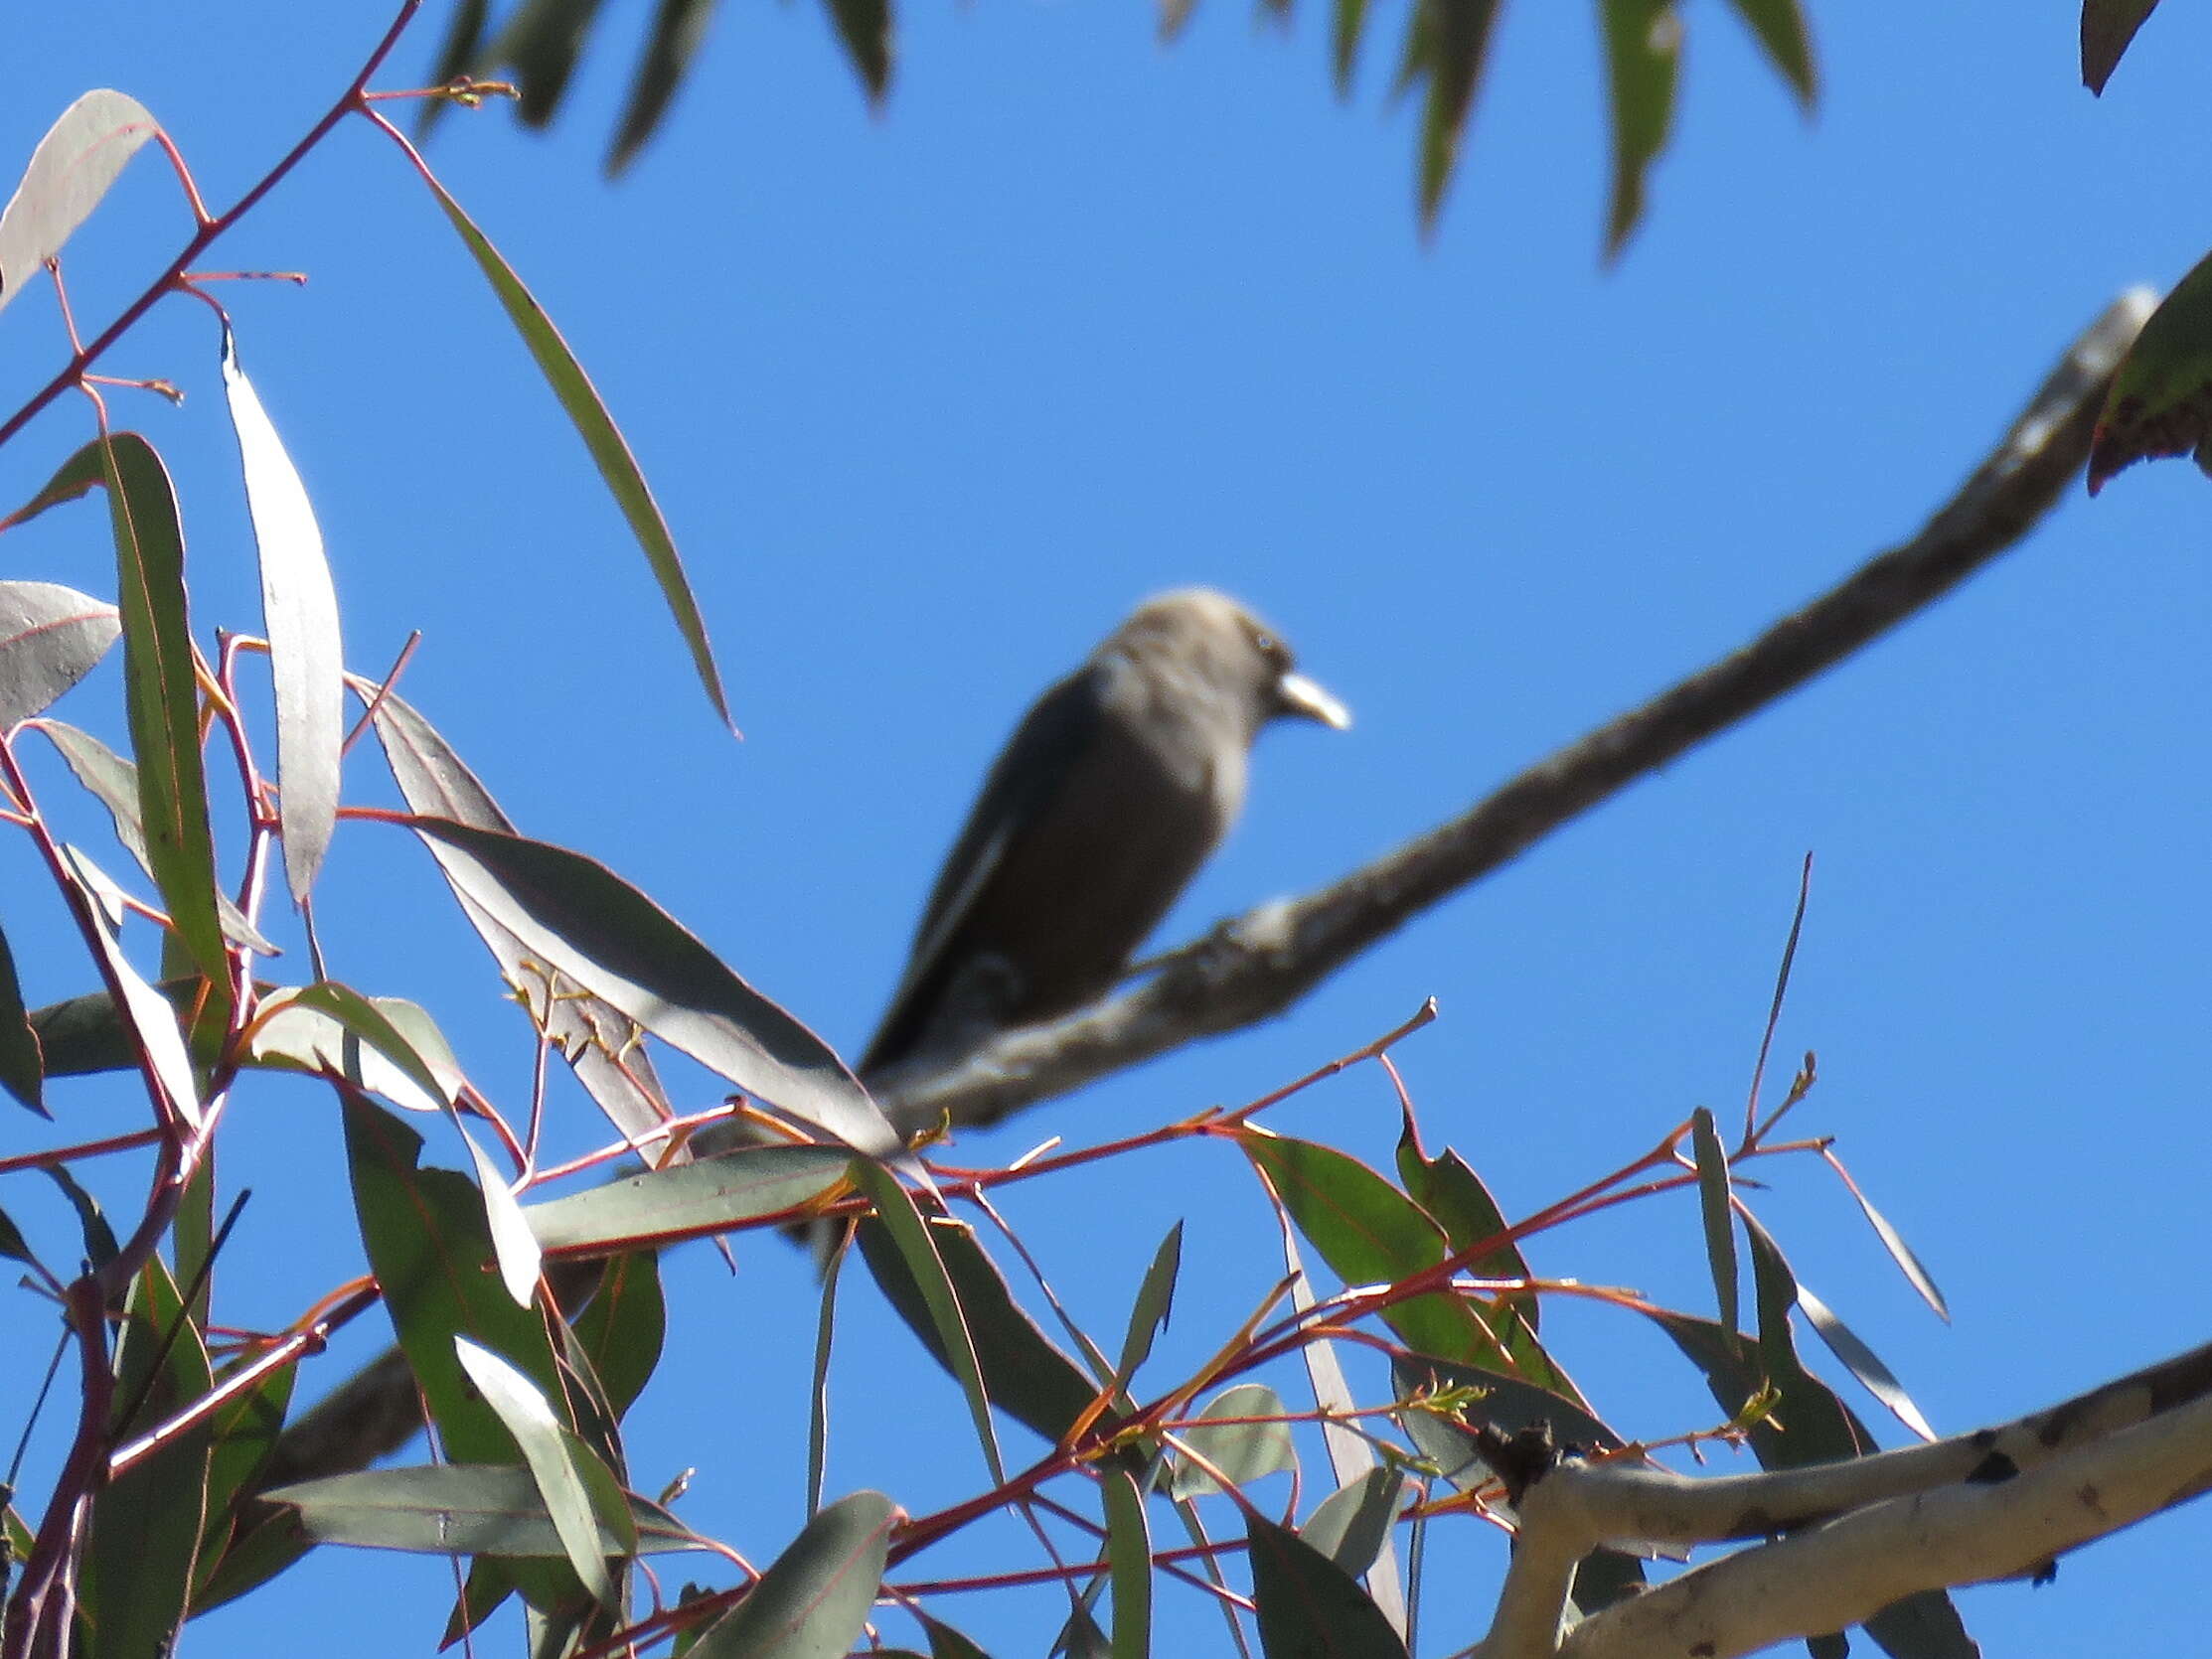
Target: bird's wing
[(1032, 768)]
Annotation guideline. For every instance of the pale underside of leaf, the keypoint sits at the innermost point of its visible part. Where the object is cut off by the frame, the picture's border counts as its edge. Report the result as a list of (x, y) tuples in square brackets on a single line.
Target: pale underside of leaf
[(81, 155), (51, 636)]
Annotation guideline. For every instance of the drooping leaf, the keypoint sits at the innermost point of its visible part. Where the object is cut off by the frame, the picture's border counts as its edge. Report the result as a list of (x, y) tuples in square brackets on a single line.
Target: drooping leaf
[(1447, 43), (1309, 1606), (390, 1046), (661, 1204), (162, 697), (13, 1245), (462, 46), (1863, 1363), (582, 919), (81, 155), (553, 1454), (603, 1045), (1925, 1625), (460, 1509), (299, 611), (152, 1022), (51, 636), (1915, 1271), (609, 451), (1717, 1210), (1642, 52), (431, 1249), (672, 40), (540, 43), (22, 1067), (818, 1390), (1781, 33), (1129, 1558), (244, 1433), (146, 1521), (1350, 17), (2108, 25), (914, 1241), (113, 782), (1243, 1450), (1025, 1373), (814, 1599), (865, 29)]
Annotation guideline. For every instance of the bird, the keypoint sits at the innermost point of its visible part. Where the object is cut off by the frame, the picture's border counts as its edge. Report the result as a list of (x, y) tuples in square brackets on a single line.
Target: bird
[(1113, 790)]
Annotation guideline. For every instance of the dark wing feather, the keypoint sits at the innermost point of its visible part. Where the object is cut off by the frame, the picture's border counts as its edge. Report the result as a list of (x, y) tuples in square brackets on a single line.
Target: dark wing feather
[(1032, 768)]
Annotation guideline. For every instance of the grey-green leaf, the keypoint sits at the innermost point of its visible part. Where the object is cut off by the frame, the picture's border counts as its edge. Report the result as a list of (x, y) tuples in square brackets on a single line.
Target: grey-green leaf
[(552, 1454), (672, 40), (51, 636), (583, 920), (299, 613), (1714, 1205), (663, 1205), (1242, 1450), (609, 450), (71, 170), (1309, 1606), (812, 1602), (459, 1509)]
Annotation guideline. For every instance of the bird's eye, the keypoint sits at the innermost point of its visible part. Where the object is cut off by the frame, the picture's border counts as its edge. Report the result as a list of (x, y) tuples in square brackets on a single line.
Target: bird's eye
[(1267, 645)]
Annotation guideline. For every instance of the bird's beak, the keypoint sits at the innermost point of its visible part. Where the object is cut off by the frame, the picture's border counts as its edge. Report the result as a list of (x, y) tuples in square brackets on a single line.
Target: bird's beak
[(1296, 694)]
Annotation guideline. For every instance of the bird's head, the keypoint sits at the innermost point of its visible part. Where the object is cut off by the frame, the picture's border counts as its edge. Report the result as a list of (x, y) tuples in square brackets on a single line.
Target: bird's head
[(1237, 656)]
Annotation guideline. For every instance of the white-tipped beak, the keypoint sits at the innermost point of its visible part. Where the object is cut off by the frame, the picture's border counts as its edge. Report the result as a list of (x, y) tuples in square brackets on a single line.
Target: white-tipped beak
[(1301, 696)]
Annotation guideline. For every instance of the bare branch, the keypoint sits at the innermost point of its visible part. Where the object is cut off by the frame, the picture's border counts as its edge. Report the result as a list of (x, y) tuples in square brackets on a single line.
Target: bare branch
[(1255, 966)]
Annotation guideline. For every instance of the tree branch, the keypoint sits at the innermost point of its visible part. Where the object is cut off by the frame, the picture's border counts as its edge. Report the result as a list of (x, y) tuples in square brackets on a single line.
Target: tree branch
[(1992, 1504), (1254, 967)]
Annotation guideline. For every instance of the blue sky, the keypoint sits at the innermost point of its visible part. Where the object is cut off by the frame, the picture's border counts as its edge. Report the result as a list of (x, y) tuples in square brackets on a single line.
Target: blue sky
[(931, 396)]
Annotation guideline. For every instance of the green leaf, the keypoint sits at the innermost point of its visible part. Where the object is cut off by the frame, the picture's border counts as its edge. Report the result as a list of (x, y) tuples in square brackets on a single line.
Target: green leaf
[(2106, 28), (1370, 1233), (915, 1240), (1925, 1625), (99, 1237), (81, 155), (672, 40), (462, 1509), (1783, 35), (461, 47), (246, 1432), (1031, 1378), (1642, 52), (1156, 1300), (665, 1204), (1242, 1450), (540, 41), (609, 451), (622, 1326), (162, 697), (947, 1643), (1447, 42), (553, 1454), (818, 1390), (79, 475), (430, 1248), (1716, 1205), (595, 928), (1353, 1522), (299, 613), (1350, 18), (1129, 1559), (13, 1244), (146, 1521), (812, 1602), (865, 29), (22, 1068), (1309, 1606), (600, 1042), (51, 636), (380, 1043)]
